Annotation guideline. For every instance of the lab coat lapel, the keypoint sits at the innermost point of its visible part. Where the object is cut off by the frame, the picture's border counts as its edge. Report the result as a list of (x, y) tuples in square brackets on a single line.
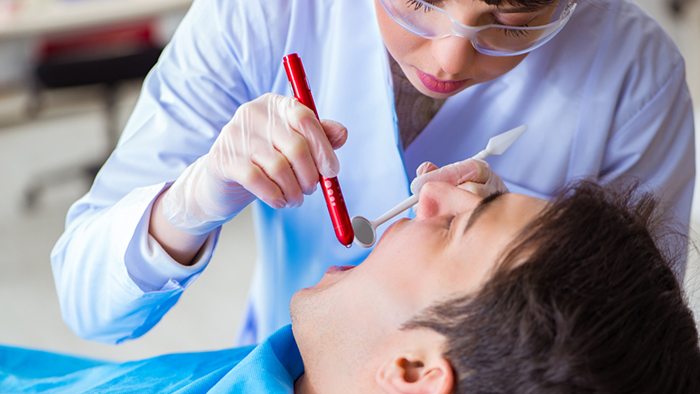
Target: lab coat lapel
[(357, 93)]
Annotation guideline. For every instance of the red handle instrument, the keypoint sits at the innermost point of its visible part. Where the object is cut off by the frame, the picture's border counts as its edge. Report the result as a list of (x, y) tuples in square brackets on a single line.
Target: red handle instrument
[(330, 186)]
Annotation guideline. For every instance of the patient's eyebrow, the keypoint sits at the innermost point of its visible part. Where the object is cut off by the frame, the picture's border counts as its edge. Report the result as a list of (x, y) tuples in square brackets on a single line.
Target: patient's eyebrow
[(483, 204)]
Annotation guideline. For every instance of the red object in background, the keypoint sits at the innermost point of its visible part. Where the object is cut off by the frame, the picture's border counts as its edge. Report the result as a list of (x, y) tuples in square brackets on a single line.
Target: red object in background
[(121, 38), (330, 186), (105, 55)]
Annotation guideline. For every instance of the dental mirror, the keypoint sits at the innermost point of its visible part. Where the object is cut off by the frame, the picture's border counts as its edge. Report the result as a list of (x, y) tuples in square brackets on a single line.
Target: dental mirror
[(366, 230)]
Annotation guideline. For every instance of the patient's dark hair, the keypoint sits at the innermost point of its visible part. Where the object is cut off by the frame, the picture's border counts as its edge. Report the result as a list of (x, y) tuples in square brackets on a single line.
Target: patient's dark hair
[(594, 308)]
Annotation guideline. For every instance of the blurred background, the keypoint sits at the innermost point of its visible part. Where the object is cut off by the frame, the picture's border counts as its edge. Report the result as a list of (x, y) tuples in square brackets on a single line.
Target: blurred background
[(70, 75)]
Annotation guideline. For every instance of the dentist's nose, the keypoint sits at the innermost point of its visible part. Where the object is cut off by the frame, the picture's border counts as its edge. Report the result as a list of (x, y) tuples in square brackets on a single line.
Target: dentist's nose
[(453, 54), (440, 198)]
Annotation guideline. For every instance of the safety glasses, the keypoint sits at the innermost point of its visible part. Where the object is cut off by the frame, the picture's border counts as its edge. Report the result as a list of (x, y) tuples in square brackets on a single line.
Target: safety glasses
[(494, 38)]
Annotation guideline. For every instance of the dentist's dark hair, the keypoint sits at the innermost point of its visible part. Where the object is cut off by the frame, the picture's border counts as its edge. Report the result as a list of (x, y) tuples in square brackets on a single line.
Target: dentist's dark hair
[(584, 302)]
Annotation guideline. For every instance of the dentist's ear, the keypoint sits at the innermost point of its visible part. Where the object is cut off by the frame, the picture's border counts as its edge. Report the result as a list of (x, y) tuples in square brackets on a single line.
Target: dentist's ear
[(416, 374)]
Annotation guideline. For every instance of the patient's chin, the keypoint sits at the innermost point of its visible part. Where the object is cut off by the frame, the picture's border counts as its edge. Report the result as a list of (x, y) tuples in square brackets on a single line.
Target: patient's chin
[(295, 312), (309, 320), (313, 305), (301, 307)]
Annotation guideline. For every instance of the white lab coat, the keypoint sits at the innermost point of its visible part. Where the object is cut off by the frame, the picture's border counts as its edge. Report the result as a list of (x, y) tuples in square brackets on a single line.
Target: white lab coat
[(605, 98)]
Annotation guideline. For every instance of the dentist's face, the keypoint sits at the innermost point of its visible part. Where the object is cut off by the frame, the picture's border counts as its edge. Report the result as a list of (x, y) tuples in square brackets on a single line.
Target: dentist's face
[(442, 68), (347, 321)]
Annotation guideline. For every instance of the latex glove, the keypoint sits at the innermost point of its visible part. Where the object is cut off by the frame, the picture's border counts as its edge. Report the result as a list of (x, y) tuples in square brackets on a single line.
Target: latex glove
[(471, 175), (273, 149)]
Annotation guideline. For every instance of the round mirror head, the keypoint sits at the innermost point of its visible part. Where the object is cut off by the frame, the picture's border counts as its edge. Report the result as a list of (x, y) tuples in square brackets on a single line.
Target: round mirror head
[(364, 231)]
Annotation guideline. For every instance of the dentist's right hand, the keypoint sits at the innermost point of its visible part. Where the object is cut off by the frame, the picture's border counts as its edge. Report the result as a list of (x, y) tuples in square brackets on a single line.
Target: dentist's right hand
[(273, 149)]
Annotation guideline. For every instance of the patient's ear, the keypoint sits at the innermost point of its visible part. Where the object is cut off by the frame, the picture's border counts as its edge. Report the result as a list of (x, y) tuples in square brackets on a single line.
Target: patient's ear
[(416, 373)]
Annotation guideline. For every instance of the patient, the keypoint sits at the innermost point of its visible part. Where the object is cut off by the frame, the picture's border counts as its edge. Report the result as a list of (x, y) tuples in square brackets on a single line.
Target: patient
[(507, 294), (504, 295)]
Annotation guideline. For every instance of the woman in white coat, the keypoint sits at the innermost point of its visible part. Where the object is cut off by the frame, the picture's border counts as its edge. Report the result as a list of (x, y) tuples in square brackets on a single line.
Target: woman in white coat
[(600, 86)]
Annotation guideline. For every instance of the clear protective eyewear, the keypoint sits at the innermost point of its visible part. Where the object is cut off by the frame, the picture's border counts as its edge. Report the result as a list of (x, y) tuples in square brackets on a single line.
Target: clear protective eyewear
[(429, 21)]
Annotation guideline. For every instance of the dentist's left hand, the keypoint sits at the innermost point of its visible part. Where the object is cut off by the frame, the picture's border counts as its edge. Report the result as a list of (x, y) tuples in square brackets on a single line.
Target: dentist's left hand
[(472, 175)]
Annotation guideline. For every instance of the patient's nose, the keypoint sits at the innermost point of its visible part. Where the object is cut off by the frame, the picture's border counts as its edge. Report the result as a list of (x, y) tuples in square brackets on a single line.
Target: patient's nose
[(440, 198)]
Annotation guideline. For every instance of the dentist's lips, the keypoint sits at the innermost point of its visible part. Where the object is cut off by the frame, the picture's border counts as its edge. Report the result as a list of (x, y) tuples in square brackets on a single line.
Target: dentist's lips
[(339, 268), (439, 86)]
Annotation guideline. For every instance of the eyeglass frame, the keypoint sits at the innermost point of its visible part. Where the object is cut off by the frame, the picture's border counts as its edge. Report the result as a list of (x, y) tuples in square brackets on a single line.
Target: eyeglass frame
[(569, 8)]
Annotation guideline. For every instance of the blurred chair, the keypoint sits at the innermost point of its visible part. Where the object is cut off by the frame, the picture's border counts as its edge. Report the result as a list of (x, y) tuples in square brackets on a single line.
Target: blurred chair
[(104, 57), (678, 7)]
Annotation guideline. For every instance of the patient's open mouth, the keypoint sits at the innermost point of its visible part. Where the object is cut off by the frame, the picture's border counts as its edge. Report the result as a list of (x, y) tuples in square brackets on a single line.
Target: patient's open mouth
[(339, 268)]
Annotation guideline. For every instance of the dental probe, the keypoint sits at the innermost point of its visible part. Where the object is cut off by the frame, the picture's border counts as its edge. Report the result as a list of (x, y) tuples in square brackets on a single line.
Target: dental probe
[(330, 186), (366, 230)]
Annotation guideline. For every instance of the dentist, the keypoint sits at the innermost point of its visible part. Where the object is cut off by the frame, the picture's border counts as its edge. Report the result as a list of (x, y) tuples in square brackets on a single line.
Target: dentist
[(403, 82)]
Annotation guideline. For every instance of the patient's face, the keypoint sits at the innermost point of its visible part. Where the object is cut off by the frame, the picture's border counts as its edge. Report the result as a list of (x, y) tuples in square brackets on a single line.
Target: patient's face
[(352, 317)]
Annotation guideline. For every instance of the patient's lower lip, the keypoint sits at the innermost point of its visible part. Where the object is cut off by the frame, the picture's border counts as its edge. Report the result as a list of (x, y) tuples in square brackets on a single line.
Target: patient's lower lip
[(339, 268)]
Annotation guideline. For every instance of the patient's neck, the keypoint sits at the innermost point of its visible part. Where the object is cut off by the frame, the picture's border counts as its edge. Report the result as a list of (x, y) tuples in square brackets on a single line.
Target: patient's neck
[(303, 386)]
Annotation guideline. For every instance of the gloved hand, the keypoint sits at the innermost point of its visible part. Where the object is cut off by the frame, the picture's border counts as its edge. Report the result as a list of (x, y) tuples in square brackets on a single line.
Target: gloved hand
[(471, 175), (273, 149)]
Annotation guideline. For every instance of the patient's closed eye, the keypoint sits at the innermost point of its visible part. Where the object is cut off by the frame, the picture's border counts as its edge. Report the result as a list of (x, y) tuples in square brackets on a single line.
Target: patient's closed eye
[(449, 221)]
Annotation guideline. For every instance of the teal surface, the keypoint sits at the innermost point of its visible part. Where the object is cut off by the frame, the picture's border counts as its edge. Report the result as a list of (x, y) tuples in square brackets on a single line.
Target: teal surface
[(271, 367)]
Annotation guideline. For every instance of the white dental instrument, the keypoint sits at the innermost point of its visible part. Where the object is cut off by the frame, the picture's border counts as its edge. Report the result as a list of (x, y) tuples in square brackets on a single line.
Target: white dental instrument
[(366, 230)]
